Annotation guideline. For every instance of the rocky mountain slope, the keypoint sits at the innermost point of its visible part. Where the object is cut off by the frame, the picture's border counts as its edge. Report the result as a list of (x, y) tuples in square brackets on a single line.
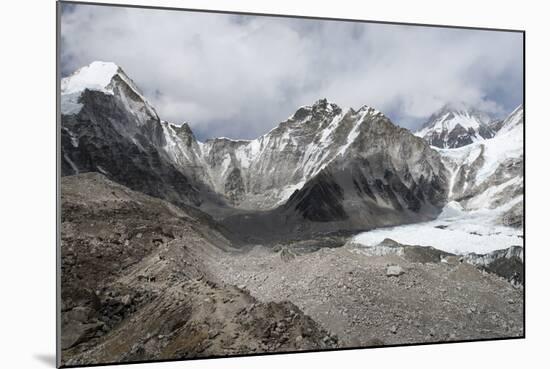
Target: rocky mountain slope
[(107, 126), (385, 176), (376, 173), (484, 212), (321, 170), (135, 284), (456, 125), (261, 174)]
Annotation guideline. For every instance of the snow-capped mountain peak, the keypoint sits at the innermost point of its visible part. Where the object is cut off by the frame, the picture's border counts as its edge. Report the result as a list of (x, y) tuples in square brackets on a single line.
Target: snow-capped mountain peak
[(95, 76), (320, 107), (456, 125), (488, 174), (107, 78), (264, 172)]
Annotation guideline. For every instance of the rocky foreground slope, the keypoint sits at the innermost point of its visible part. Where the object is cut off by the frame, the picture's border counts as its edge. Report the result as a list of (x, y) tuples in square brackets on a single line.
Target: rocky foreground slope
[(380, 296), (143, 279), (135, 286)]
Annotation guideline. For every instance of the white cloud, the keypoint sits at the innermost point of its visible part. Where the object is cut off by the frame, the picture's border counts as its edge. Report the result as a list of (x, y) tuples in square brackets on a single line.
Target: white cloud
[(239, 76)]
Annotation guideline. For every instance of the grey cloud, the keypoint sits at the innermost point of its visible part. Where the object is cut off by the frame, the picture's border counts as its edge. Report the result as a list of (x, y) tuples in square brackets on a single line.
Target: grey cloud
[(238, 76)]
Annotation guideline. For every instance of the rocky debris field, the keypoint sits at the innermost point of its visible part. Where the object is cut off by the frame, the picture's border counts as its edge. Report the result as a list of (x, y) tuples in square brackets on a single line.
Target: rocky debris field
[(421, 295), (135, 286), (145, 280)]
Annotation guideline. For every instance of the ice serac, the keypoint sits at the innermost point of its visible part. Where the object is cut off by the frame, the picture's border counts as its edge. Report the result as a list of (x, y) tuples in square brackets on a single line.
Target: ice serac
[(456, 125), (488, 175)]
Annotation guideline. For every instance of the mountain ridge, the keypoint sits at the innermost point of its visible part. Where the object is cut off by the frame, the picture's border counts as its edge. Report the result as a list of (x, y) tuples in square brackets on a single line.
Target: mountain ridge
[(322, 168), (300, 147), (456, 125)]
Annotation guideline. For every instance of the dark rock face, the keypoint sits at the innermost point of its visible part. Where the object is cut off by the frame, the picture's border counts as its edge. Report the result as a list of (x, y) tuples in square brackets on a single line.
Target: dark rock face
[(184, 132), (104, 137), (509, 268), (320, 200), (113, 130), (487, 131), (514, 216), (507, 263), (458, 136), (385, 167), (496, 125), (234, 186)]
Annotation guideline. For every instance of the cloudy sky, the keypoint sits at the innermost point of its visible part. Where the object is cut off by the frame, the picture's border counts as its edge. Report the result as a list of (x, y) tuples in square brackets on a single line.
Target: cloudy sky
[(238, 76)]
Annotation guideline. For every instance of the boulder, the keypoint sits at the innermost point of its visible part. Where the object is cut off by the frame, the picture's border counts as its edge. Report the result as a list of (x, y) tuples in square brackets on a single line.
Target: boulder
[(394, 271), (75, 332)]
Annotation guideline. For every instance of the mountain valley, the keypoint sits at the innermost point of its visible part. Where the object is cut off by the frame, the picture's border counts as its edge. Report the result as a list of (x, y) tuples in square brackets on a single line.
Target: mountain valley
[(337, 228)]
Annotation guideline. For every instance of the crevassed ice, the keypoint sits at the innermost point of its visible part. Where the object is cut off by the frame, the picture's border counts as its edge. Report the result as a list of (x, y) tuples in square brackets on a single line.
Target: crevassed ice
[(455, 230)]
